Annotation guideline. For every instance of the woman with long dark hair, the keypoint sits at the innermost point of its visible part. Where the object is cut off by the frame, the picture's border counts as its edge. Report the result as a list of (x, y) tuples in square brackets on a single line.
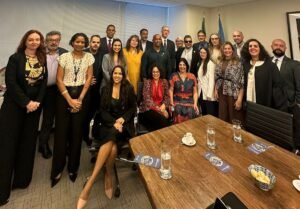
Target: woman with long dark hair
[(156, 101), (117, 110), (229, 88), (264, 84), (205, 73), (113, 58), (183, 93), (26, 81), (133, 56), (74, 76)]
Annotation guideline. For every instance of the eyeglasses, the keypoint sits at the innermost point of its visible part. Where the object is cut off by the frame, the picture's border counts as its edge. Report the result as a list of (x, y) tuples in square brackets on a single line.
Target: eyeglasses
[(214, 38), (187, 41)]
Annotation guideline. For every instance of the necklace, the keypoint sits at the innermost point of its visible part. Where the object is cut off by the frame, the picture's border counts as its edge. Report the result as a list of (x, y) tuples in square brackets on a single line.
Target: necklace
[(76, 68)]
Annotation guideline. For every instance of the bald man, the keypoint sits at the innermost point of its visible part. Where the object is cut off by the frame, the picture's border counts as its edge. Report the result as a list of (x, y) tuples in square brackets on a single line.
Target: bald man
[(238, 38), (290, 72)]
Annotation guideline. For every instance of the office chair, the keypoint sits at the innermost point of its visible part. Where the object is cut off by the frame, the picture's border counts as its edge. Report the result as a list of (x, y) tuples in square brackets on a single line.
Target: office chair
[(139, 128), (271, 124)]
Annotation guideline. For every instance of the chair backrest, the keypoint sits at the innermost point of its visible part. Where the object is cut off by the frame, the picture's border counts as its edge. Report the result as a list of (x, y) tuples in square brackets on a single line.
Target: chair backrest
[(270, 124), (139, 95)]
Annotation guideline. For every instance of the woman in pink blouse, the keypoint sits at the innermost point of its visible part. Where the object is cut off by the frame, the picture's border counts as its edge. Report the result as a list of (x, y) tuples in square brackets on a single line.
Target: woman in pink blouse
[(155, 104)]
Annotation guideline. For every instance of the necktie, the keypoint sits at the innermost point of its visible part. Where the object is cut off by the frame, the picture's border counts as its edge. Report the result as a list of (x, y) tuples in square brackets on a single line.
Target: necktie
[(276, 61), (165, 43), (109, 44)]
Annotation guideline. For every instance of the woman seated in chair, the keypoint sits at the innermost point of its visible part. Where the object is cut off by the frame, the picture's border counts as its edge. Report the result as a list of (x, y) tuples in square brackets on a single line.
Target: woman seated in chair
[(184, 93), (117, 110), (154, 107)]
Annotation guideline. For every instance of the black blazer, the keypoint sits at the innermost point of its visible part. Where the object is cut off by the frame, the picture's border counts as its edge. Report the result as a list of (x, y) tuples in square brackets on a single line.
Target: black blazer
[(290, 72), (171, 50), (61, 51), (149, 45), (198, 45), (268, 84), (17, 88), (128, 110), (195, 58), (103, 46)]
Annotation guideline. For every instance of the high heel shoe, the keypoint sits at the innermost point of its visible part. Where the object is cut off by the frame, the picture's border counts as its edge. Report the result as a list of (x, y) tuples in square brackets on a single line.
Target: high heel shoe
[(81, 203), (73, 176), (55, 180), (108, 186)]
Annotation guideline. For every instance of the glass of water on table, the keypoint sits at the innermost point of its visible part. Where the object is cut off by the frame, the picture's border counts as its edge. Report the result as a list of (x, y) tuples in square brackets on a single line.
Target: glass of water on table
[(236, 126), (165, 156), (210, 136)]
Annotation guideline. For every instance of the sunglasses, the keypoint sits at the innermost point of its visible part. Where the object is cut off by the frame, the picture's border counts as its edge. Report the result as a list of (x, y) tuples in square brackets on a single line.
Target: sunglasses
[(187, 41)]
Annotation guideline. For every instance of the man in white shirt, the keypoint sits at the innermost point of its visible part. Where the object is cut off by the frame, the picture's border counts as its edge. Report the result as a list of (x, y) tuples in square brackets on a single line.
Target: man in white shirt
[(144, 43), (187, 52), (290, 72), (168, 44), (48, 106), (238, 38), (106, 42)]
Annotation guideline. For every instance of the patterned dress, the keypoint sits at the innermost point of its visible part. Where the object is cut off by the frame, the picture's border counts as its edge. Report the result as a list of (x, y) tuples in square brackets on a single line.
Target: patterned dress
[(183, 97)]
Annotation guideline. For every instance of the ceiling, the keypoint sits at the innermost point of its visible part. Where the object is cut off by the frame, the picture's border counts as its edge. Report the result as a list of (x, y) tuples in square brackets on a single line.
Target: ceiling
[(202, 3)]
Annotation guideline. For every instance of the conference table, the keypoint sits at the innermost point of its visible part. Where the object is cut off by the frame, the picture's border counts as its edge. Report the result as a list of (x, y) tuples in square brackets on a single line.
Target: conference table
[(196, 183)]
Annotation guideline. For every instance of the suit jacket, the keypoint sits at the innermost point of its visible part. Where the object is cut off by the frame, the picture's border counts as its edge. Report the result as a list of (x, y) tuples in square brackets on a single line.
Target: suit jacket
[(128, 111), (103, 46), (199, 45), (61, 51), (17, 88), (148, 102), (149, 45), (195, 58), (171, 50), (268, 85), (290, 72)]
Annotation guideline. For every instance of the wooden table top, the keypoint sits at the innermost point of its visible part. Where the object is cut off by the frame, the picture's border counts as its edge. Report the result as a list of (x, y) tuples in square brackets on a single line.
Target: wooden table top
[(196, 182)]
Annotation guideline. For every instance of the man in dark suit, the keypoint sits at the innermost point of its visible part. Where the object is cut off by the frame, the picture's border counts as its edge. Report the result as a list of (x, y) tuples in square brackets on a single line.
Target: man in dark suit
[(106, 42), (94, 94), (168, 45), (48, 105), (290, 72), (156, 55), (187, 52), (202, 42), (144, 43)]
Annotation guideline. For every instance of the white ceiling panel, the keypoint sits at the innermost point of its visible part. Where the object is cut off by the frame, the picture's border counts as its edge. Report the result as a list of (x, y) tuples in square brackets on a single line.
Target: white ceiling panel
[(202, 3)]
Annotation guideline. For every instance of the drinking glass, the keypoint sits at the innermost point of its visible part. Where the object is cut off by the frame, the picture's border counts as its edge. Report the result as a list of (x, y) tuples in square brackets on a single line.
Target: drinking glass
[(165, 166), (210, 136), (237, 136)]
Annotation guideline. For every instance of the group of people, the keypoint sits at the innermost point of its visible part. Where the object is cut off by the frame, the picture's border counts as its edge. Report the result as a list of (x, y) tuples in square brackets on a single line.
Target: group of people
[(99, 77)]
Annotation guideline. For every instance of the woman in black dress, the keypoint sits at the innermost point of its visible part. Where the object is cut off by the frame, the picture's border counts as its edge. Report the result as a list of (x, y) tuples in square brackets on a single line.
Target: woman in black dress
[(26, 80), (117, 110)]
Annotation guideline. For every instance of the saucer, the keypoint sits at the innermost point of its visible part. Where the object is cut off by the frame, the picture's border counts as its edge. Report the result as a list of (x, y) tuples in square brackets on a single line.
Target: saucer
[(188, 141), (296, 184)]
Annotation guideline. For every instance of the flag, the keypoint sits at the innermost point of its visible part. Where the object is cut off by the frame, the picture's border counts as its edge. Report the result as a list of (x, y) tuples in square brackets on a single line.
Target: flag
[(221, 31), (203, 25)]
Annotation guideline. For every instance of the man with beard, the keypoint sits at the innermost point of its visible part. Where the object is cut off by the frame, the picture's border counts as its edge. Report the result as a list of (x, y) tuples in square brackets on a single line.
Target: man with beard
[(53, 52), (158, 55), (94, 94), (144, 43), (238, 38), (202, 41), (290, 72)]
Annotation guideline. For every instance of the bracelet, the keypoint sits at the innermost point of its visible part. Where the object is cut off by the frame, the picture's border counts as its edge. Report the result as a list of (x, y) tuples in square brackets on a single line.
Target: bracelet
[(64, 92)]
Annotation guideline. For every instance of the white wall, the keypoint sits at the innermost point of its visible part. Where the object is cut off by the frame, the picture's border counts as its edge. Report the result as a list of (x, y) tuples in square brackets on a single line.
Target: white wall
[(72, 16), (264, 20)]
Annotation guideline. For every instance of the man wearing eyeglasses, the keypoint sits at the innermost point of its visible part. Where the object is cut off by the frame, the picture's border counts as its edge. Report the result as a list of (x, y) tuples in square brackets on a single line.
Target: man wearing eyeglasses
[(186, 52), (202, 42), (48, 105)]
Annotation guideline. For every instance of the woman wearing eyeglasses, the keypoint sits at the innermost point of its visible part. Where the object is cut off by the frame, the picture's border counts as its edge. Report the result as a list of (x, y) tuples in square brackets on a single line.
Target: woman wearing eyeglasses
[(215, 44), (74, 76)]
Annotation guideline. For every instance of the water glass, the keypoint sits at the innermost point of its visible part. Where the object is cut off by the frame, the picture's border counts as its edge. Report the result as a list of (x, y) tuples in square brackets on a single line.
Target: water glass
[(165, 166), (237, 136), (210, 136)]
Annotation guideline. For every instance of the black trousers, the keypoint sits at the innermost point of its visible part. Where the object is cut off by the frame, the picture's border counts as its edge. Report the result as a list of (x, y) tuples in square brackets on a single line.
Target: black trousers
[(208, 107), (18, 136), (295, 110), (152, 120), (93, 102), (48, 114), (68, 135)]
